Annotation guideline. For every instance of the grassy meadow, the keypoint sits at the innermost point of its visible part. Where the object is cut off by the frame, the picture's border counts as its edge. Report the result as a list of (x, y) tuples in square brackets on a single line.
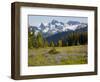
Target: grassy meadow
[(67, 55)]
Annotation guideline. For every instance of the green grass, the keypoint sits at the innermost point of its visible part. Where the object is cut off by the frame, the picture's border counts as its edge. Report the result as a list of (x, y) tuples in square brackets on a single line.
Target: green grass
[(57, 56)]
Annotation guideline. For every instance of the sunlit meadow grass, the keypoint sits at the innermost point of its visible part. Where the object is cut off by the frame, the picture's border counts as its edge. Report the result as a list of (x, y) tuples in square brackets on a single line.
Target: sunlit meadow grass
[(57, 56)]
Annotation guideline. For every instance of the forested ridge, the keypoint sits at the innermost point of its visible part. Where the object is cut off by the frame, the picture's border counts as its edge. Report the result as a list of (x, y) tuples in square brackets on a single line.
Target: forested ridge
[(70, 39)]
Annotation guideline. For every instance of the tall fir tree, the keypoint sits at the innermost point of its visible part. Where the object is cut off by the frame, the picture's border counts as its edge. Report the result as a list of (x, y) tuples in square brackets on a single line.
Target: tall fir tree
[(60, 43), (40, 41), (52, 44)]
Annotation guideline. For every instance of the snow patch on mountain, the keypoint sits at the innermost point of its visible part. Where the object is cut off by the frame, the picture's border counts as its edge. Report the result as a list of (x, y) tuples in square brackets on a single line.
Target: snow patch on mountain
[(45, 30)]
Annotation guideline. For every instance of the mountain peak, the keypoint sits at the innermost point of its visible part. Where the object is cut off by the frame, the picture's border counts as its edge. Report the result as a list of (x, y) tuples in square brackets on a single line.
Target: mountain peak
[(54, 21), (42, 26)]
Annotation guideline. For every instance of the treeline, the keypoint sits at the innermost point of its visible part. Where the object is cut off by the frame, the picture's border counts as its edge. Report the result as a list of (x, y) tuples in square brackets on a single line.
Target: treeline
[(73, 38)]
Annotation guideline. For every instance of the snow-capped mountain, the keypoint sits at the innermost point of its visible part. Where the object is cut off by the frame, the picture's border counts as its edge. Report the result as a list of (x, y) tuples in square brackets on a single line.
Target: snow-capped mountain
[(56, 26)]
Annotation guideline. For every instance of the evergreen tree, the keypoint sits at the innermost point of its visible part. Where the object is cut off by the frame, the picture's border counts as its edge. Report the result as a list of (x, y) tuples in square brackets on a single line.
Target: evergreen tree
[(52, 44), (67, 43), (30, 39), (46, 44), (40, 41), (60, 43)]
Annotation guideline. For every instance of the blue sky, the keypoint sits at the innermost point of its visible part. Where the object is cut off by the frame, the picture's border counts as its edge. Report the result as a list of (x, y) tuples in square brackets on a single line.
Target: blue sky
[(35, 20)]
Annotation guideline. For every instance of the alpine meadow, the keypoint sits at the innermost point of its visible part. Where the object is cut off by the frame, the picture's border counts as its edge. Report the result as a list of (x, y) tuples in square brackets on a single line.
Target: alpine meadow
[(57, 40)]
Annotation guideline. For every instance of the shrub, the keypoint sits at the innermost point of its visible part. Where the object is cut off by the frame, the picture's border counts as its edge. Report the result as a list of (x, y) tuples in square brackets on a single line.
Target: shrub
[(53, 51)]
